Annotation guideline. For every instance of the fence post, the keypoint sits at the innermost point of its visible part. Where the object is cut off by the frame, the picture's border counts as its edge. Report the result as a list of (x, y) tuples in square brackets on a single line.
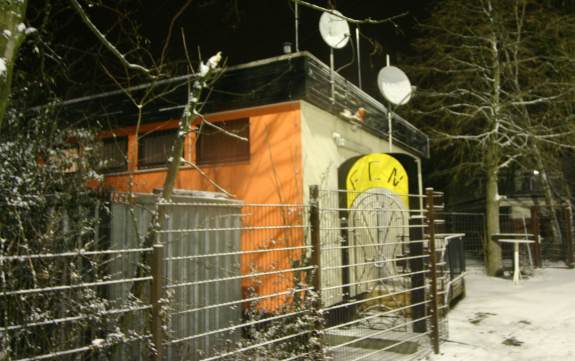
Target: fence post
[(417, 265), (156, 293), (315, 239), (535, 231), (432, 269), (568, 236)]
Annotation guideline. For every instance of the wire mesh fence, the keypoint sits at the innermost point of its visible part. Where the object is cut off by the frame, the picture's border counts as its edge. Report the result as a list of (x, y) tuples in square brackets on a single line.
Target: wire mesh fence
[(375, 275), (346, 276), (564, 248), (61, 305), (236, 281), (472, 225), (56, 278)]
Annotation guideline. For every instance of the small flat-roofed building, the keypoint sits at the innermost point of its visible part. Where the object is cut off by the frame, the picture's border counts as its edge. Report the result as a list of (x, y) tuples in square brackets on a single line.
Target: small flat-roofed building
[(296, 135)]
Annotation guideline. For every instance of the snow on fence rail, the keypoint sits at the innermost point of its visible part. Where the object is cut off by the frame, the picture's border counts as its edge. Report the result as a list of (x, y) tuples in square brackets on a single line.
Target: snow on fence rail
[(232, 281), (69, 314)]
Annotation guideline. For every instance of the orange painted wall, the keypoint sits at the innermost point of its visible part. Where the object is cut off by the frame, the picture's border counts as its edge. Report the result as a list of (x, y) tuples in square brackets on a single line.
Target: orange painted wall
[(273, 175)]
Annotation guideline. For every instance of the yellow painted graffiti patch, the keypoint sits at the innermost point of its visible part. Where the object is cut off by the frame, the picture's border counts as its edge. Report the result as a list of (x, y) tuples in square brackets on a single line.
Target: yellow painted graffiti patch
[(377, 170)]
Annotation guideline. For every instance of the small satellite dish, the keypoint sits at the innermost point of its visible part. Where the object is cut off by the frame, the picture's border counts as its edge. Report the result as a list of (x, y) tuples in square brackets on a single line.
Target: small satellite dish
[(394, 85), (334, 29)]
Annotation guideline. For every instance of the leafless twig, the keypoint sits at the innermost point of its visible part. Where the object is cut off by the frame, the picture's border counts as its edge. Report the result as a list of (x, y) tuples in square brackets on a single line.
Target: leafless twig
[(205, 175), (108, 44), (390, 19)]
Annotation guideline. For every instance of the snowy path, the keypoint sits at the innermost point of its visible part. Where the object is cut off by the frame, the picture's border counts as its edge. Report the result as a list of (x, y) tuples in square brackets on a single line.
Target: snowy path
[(534, 321)]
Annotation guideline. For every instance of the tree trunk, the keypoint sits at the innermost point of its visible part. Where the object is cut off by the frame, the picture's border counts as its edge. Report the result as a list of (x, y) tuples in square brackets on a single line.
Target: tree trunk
[(492, 160), (549, 199), (12, 14), (493, 260), (175, 158)]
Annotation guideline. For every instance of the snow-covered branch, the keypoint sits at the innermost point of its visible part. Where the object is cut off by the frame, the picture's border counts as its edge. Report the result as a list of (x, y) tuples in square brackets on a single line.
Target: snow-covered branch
[(508, 161), (535, 101), (14, 31), (196, 86), (348, 19)]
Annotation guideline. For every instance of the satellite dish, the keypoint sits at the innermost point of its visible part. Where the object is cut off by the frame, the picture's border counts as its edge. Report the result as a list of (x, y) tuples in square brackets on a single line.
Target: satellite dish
[(334, 29), (394, 85)]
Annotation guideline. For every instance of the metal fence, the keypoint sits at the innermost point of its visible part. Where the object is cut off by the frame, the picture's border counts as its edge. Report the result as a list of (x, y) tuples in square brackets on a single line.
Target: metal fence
[(472, 225), (235, 283), (379, 278), (55, 304), (533, 221), (345, 276), (567, 235)]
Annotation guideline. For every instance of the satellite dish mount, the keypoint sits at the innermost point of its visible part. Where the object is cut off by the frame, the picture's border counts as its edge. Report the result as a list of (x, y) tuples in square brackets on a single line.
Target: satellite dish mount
[(395, 87), (334, 30)]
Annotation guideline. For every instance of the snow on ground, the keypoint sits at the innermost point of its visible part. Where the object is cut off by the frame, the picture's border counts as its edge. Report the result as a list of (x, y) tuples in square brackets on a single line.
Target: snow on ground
[(533, 321)]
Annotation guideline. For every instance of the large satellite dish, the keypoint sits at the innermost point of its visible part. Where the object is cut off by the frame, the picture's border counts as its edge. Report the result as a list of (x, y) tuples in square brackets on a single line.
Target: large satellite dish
[(334, 29), (394, 85)]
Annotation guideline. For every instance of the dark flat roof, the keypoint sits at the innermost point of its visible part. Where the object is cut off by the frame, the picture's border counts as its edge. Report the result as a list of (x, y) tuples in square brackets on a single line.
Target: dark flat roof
[(297, 76)]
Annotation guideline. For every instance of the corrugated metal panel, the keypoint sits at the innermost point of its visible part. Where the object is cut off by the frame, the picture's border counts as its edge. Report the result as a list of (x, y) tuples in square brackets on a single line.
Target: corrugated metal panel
[(126, 232), (208, 239), (186, 318)]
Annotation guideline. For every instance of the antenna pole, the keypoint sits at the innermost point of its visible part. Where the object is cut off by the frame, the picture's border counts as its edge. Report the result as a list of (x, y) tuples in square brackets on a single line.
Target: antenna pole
[(358, 57), (389, 127), (296, 10), (331, 75), (389, 115)]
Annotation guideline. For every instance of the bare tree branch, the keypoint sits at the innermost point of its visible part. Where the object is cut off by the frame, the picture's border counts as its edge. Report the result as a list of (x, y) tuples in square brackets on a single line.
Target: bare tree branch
[(170, 29), (108, 44), (348, 19), (233, 135), (205, 175)]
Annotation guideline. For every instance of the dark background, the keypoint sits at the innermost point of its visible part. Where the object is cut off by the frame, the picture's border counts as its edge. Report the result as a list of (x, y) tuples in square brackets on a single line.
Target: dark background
[(244, 30), (248, 30)]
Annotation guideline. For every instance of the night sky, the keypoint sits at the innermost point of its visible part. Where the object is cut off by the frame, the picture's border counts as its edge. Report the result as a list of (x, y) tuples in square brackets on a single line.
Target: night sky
[(244, 30), (248, 30)]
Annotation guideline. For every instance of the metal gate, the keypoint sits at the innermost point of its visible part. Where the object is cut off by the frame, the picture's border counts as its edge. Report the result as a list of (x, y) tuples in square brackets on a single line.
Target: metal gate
[(378, 275)]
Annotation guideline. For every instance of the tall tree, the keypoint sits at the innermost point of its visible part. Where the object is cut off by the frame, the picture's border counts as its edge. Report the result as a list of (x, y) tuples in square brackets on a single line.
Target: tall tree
[(489, 73), (12, 17)]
